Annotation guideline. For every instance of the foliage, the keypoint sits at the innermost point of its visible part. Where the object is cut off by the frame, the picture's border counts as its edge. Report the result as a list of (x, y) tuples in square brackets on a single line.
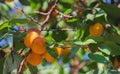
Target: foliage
[(68, 24)]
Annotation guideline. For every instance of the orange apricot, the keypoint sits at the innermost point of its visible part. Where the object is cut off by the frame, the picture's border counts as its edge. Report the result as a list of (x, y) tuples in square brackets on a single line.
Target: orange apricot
[(59, 50), (29, 38), (34, 59), (116, 63), (65, 51), (38, 46), (9, 0), (96, 29), (48, 57), (34, 30)]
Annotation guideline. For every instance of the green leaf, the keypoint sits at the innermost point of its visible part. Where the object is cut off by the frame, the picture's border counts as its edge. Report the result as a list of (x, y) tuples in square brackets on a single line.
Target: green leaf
[(68, 11), (48, 36), (97, 38), (117, 29), (89, 2), (51, 52), (115, 49), (1, 66), (98, 57), (89, 41), (59, 35), (72, 20), (18, 43), (11, 64), (19, 22), (25, 2), (27, 71), (113, 15), (4, 25), (105, 50), (61, 70), (115, 10), (74, 51), (32, 69), (90, 17)]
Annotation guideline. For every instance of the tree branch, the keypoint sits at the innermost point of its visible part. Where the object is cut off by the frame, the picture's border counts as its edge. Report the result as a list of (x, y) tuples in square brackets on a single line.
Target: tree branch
[(19, 70), (64, 15)]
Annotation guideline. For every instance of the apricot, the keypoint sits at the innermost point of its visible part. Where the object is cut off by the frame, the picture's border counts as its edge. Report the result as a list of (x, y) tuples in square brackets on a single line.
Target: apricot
[(29, 38), (34, 59), (63, 51), (116, 63), (48, 57), (9, 0), (96, 29), (34, 30), (38, 46)]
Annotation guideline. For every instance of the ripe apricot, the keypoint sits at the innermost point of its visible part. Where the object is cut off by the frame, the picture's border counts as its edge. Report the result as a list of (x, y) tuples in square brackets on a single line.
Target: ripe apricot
[(116, 63), (38, 46), (9, 0), (33, 30), (59, 50), (29, 38), (63, 51), (34, 59), (96, 29), (48, 57)]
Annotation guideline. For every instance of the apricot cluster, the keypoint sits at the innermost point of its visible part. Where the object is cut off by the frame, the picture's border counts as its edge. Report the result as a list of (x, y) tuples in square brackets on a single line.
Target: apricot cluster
[(37, 44)]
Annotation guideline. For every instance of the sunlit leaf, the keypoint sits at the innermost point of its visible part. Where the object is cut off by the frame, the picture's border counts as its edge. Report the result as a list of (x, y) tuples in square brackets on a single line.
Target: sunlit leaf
[(98, 57), (61, 70), (72, 20), (51, 52), (90, 17), (68, 11), (89, 41), (4, 25), (117, 29), (105, 50)]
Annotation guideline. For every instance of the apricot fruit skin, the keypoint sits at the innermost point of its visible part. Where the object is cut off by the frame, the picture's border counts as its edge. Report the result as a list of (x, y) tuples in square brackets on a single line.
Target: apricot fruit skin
[(34, 59), (9, 0), (48, 57), (96, 29), (29, 38), (63, 51), (38, 46), (33, 30)]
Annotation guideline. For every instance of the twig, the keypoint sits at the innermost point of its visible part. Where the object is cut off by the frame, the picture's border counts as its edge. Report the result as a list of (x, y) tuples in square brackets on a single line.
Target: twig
[(64, 15), (58, 29), (21, 50), (48, 15), (42, 13), (82, 3), (31, 18), (19, 70)]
